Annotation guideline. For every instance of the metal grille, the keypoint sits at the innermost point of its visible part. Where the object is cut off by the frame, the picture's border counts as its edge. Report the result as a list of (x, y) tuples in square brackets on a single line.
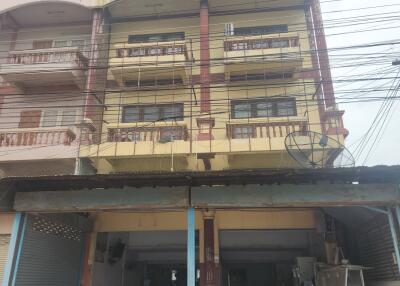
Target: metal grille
[(51, 252), (375, 249), (46, 226)]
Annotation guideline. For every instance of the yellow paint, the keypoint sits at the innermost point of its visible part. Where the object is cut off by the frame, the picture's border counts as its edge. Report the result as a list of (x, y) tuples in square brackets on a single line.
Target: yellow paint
[(261, 152), (224, 219)]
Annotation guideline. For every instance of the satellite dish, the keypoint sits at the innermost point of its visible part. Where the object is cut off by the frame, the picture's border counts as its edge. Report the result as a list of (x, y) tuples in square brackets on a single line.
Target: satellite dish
[(315, 150)]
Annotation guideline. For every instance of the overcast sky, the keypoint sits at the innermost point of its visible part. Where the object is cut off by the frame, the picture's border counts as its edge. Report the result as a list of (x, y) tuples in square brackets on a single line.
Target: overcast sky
[(359, 116)]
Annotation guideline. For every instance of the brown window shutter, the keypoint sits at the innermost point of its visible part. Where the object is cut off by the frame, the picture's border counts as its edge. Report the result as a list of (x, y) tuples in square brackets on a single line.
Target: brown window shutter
[(30, 119)]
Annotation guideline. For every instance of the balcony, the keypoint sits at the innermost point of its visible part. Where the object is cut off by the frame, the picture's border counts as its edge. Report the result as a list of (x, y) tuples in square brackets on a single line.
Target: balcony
[(148, 61), (142, 140), (45, 67), (37, 143), (275, 53)]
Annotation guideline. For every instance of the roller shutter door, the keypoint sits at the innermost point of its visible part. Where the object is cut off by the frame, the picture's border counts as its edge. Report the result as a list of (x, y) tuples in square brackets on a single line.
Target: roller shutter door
[(376, 250), (51, 251), (4, 244)]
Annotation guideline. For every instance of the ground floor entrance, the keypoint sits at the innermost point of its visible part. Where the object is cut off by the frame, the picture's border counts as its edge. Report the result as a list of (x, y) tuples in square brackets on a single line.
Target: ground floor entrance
[(205, 247)]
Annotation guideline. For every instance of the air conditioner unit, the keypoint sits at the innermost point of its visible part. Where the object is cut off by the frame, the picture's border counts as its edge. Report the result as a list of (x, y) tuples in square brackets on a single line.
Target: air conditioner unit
[(229, 29)]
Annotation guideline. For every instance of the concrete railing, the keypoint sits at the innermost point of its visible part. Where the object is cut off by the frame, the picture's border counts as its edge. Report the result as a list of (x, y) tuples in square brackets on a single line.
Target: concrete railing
[(261, 42), (148, 133), (264, 129), (36, 136), (47, 56)]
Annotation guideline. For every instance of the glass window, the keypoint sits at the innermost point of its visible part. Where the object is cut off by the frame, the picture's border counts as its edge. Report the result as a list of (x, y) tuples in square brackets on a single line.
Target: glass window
[(280, 44), (241, 110), (286, 108), (261, 30), (264, 109), (172, 112), (78, 43), (151, 113), (68, 117), (241, 132), (131, 114), (60, 44), (165, 37), (49, 118)]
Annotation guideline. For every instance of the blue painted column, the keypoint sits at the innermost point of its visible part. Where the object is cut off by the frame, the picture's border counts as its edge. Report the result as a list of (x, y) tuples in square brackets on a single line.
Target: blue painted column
[(398, 215), (13, 250), (191, 248), (394, 237)]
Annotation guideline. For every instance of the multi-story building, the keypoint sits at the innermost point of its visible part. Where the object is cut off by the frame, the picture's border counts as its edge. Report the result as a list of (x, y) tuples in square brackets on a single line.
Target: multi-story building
[(119, 86), (219, 88)]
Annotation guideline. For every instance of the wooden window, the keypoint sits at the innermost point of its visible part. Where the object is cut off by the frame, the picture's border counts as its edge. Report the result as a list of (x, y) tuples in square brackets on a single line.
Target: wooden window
[(276, 107), (152, 113), (30, 119)]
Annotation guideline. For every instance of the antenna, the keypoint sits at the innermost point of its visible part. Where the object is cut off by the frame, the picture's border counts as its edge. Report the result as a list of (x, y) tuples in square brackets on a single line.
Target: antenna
[(315, 150)]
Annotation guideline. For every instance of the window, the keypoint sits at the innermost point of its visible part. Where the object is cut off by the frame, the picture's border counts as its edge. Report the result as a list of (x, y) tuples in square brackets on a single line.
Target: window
[(154, 82), (241, 132), (60, 44), (77, 43), (242, 110), (165, 37), (261, 30), (286, 108), (151, 113), (260, 76), (264, 108), (30, 119), (68, 117), (54, 117), (49, 118)]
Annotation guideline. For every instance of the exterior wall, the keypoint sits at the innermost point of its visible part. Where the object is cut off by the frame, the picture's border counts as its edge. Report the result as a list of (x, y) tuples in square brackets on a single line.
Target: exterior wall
[(234, 219), (229, 153)]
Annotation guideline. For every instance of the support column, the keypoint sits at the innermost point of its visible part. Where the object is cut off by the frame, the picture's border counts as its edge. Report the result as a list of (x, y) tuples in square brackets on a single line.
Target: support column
[(206, 123), (191, 248), (14, 250), (209, 269), (322, 53), (394, 236)]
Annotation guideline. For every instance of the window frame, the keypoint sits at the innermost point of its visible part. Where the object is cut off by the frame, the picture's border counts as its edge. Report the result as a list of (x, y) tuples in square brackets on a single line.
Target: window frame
[(161, 112), (254, 110), (162, 37), (261, 30)]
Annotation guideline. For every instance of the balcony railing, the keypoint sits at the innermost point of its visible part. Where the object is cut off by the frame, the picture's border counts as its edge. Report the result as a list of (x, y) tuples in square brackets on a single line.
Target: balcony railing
[(36, 137), (155, 133), (159, 49), (48, 56), (261, 42), (264, 129)]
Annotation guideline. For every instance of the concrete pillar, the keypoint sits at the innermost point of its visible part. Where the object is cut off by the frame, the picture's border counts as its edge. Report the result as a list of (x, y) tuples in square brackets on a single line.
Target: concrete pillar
[(15, 249), (209, 267), (191, 247)]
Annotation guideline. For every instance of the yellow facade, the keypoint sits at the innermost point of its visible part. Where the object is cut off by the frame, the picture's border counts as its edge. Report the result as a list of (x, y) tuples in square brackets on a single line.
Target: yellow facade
[(265, 149)]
